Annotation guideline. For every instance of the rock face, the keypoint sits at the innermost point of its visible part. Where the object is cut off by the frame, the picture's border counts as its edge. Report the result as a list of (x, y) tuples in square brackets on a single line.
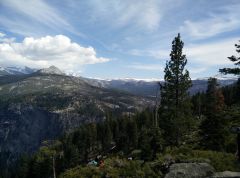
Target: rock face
[(190, 170), (23, 129), (226, 174), (198, 170)]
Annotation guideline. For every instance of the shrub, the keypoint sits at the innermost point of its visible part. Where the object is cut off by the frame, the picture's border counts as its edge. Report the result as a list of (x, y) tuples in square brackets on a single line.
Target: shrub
[(114, 167)]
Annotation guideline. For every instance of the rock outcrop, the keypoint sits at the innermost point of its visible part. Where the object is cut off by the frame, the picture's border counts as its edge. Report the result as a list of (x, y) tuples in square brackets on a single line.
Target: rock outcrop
[(198, 170), (190, 170), (226, 174)]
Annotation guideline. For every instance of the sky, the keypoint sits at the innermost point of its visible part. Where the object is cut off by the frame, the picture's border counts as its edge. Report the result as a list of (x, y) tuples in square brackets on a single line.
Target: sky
[(118, 39)]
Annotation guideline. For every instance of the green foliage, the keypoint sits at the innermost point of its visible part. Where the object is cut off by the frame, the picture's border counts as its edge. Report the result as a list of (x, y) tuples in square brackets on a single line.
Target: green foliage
[(102, 138), (212, 128), (215, 121), (232, 93), (113, 167), (175, 110), (52, 101), (199, 104), (22, 168)]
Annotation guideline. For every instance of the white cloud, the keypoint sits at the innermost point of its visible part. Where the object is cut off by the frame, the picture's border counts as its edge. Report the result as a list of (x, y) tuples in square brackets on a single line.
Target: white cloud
[(150, 67), (155, 53), (197, 70), (207, 54), (2, 34), (7, 40), (31, 17), (145, 14), (4, 39), (210, 27), (37, 10), (216, 23), (49, 50), (211, 54)]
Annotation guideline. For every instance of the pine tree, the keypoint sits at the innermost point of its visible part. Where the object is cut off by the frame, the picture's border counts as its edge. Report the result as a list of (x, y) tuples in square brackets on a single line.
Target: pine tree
[(212, 130), (132, 133), (215, 98), (23, 167), (107, 136), (237, 91), (145, 146), (175, 109), (198, 104), (156, 141), (236, 60)]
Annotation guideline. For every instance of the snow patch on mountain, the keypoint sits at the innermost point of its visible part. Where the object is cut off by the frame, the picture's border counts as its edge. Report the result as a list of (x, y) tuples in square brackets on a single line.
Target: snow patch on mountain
[(16, 70), (220, 77), (127, 79)]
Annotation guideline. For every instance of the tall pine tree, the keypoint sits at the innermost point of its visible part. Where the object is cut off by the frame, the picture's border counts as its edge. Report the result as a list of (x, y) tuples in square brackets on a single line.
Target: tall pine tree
[(175, 109)]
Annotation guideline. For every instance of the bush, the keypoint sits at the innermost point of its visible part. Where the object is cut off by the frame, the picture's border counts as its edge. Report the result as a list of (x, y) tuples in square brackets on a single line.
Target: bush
[(114, 167)]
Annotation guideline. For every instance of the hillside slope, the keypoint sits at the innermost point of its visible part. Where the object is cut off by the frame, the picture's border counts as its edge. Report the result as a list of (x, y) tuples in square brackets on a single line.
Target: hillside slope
[(39, 107)]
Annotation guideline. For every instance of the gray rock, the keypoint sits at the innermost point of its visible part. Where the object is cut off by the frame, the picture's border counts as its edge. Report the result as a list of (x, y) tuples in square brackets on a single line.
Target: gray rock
[(190, 170), (226, 174)]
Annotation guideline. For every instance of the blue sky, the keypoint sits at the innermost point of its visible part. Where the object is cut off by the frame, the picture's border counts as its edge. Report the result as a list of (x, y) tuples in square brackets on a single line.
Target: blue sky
[(120, 38)]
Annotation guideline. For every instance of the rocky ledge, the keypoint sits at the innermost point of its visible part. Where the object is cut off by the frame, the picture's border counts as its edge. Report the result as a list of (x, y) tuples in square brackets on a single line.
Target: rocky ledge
[(197, 170)]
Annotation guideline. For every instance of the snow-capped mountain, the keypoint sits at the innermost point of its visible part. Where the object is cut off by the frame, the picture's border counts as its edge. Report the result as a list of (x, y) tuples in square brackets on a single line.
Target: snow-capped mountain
[(144, 87), (3, 71), (27, 70), (16, 70), (151, 87), (51, 70), (220, 77)]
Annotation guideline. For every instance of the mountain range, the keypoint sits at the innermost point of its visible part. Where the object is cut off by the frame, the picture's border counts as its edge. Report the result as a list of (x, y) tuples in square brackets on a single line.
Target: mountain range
[(46, 103), (143, 87), (42, 104)]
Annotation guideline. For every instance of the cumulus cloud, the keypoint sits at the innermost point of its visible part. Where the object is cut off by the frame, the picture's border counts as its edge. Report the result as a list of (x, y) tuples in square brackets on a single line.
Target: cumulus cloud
[(56, 50)]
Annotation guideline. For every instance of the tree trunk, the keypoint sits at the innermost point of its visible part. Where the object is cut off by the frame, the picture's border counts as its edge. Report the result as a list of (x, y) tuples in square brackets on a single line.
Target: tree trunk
[(54, 171)]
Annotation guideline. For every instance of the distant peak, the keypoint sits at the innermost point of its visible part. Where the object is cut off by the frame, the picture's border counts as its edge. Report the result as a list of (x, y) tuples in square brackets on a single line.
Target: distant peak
[(51, 70)]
